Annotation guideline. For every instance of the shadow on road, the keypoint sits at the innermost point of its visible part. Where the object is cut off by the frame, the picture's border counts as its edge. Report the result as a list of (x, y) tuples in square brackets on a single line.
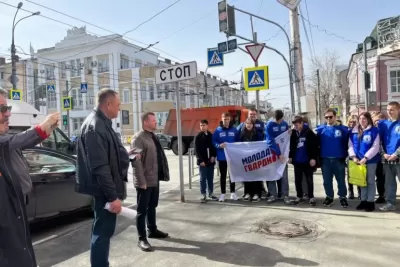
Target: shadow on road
[(235, 253)]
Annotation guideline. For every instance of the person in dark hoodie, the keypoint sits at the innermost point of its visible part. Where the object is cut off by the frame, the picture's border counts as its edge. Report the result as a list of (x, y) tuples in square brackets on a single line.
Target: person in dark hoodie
[(225, 133), (248, 133), (206, 154), (333, 139), (260, 131), (303, 155)]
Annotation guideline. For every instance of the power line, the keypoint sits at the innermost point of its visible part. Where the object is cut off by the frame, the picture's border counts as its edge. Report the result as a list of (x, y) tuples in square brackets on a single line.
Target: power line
[(308, 39), (309, 26), (277, 33)]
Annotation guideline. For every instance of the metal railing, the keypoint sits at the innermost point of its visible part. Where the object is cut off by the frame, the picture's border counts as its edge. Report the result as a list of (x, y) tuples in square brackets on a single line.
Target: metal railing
[(193, 166)]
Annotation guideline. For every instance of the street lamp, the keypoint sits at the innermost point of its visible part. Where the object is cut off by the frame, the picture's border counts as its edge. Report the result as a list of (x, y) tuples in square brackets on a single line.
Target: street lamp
[(13, 50)]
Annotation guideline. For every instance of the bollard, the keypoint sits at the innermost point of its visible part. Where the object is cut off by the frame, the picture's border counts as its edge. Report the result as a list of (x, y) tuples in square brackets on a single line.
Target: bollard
[(193, 165)]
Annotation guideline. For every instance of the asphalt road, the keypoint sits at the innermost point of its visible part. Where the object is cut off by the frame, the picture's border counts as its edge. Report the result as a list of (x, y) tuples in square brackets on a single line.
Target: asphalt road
[(60, 239)]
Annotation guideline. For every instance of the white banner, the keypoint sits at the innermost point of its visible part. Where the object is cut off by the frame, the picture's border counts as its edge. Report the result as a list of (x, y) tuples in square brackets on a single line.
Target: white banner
[(255, 161)]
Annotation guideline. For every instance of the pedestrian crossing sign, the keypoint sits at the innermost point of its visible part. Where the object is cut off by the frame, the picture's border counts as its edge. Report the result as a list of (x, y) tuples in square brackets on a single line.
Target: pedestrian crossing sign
[(66, 103), (16, 94), (337, 109), (214, 58), (256, 78)]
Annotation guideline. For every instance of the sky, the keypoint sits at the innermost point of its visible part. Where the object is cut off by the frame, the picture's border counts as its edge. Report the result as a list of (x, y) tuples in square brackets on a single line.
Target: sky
[(189, 27)]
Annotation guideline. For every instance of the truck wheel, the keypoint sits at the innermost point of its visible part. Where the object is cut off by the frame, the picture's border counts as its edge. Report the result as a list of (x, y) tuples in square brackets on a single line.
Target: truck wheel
[(175, 148)]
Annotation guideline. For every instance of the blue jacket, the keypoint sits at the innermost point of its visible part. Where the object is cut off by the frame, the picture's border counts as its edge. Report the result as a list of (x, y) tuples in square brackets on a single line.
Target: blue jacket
[(390, 135), (273, 130), (365, 146), (260, 128), (224, 135), (333, 141)]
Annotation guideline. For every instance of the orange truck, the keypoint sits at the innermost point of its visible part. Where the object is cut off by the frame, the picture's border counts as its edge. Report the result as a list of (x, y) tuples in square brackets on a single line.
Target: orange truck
[(191, 118)]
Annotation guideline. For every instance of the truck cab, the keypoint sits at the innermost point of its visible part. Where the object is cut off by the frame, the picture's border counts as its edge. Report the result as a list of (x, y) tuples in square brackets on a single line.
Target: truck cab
[(24, 116)]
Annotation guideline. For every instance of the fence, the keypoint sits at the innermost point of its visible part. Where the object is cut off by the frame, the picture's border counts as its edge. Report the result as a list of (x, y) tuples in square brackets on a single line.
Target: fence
[(193, 166)]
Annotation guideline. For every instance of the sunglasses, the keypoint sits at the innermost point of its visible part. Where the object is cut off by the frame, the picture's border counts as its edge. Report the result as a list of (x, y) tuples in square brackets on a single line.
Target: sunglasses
[(328, 117), (4, 109)]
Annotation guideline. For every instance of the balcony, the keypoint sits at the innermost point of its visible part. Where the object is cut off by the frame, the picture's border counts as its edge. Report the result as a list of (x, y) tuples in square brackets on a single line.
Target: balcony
[(388, 31)]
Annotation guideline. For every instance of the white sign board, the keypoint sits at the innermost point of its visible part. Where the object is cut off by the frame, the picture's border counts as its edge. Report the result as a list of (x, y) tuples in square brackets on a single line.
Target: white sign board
[(291, 4), (176, 73)]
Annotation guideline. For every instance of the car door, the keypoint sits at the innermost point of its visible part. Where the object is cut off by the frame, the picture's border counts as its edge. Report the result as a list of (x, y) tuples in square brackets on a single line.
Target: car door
[(53, 177), (163, 140)]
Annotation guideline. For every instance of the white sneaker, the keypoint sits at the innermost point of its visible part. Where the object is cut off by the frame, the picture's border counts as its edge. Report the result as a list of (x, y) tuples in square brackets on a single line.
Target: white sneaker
[(234, 196), (246, 197), (222, 198), (256, 198)]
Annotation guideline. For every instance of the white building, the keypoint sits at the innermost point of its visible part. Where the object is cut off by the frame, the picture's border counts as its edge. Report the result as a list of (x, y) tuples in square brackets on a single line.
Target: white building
[(112, 62)]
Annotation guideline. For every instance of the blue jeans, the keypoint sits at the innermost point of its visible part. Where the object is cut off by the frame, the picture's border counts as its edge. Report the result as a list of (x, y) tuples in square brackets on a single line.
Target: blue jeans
[(334, 167), (391, 171), (207, 179), (102, 231), (368, 192), (272, 185)]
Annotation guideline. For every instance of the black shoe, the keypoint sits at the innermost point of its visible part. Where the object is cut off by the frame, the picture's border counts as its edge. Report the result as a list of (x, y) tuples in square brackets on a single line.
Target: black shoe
[(380, 200), (370, 207), (351, 195), (343, 202), (279, 195), (144, 245), (328, 202), (312, 202), (362, 205), (157, 234)]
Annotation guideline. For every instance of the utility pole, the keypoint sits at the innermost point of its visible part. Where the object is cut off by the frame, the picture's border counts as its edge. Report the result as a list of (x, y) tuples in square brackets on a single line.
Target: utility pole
[(366, 75), (68, 120), (319, 98), (297, 54), (256, 65)]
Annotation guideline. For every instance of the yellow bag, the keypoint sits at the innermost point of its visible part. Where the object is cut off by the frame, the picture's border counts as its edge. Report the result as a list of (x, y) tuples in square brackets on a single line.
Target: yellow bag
[(357, 174)]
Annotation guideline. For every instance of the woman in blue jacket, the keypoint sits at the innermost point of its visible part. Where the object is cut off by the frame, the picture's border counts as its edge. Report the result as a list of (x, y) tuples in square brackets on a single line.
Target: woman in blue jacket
[(248, 133), (364, 144)]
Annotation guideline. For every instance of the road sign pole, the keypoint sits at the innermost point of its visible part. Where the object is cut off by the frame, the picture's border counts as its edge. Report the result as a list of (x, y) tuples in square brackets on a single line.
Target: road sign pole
[(68, 124), (179, 131), (256, 65)]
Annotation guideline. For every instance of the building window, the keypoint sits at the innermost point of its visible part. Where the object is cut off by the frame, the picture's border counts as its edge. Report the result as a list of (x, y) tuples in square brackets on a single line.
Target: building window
[(1, 75), (52, 100), (76, 123), (166, 89), (88, 65), (50, 73), (395, 81), (143, 91), (103, 65), (126, 96), (75, 68), (90, 98), (63, 70), (124, 63), (191, 92), (76, 98), (151, 89), (138, 63), (159, 92)]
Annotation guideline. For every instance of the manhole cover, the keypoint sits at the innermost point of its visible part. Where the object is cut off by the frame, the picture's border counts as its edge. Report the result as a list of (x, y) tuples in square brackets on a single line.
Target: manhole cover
[(285, 227)]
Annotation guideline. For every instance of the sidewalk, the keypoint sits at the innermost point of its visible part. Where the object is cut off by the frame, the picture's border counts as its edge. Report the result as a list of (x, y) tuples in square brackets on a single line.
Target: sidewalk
[(226, 234)]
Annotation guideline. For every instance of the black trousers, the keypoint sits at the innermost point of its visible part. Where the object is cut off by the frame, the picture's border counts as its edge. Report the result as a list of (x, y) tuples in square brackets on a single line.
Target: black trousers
[(380, 179), (223, 170), (147, 202), (253, 188), (308, 172)]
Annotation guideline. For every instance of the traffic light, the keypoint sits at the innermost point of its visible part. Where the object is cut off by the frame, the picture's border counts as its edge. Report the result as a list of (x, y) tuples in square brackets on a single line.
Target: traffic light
[(65, 120), (226, 15), (367, 80)]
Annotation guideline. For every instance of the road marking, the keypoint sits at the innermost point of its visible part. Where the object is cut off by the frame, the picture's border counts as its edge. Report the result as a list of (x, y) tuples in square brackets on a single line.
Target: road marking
[(44, 240)]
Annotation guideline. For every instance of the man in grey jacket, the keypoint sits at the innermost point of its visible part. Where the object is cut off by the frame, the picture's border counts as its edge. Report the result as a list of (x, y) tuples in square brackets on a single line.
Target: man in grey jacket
[(15, 240), (148, 170)]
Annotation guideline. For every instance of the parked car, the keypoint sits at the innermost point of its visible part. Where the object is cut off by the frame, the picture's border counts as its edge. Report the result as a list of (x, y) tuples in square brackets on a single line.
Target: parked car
[(165, 140), (53, 178)]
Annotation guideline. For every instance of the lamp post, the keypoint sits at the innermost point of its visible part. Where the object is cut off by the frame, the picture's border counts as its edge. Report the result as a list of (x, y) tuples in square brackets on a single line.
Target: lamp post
[(13, 50)]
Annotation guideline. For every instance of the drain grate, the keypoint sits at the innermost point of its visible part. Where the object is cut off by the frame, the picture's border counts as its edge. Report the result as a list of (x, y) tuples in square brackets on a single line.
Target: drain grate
[(285, 227)]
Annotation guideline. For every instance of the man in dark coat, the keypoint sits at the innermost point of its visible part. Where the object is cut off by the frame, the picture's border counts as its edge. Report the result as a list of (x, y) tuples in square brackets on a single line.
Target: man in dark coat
[(102, 171), (15, 241)]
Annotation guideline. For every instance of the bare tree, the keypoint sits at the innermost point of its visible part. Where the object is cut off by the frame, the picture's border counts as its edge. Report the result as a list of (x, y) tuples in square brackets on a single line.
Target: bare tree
[(330, 92)]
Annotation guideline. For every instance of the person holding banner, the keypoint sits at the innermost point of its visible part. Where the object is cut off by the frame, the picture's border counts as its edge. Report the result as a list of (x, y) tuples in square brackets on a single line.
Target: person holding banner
[(364, 144), (389, 131), (273, 129), (303, 155), (248, 133), (333, 140), (205, 153), (225, 133)]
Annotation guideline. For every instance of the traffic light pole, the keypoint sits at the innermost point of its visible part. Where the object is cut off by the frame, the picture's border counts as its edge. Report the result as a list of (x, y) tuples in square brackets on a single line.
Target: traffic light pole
[(68, 126)]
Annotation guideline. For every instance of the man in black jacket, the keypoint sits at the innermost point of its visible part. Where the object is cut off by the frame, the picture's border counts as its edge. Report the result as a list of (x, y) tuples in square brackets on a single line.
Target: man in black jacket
[(205, 153), (102, 170), (303, 154)]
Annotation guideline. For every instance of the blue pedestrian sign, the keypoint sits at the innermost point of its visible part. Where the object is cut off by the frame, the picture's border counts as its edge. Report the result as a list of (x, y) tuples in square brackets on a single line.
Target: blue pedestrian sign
[(214, 58), (51, 88), (66, 103), (256, 78), (83, 88), (16, 95)]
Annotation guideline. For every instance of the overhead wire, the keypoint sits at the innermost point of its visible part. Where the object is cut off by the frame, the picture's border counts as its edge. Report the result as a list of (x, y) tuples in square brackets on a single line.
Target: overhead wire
[(309, 26)]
